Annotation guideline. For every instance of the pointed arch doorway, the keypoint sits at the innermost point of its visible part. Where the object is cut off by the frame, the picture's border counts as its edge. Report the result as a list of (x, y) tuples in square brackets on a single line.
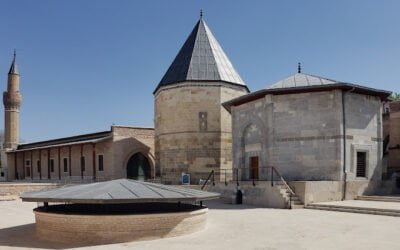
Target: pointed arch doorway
[(138, 167)]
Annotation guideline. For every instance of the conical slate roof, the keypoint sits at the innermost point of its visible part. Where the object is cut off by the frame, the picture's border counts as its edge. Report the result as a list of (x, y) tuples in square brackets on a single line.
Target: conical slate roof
[(301, 80), (201, 58), (14, 67), (118, 191)]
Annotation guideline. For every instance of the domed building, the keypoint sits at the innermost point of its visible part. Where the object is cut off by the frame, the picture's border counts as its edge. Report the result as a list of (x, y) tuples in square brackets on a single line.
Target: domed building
[(193, 133)]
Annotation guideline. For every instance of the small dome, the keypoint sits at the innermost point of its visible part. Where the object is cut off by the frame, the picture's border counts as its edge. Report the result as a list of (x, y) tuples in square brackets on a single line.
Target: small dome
[(301, 80)]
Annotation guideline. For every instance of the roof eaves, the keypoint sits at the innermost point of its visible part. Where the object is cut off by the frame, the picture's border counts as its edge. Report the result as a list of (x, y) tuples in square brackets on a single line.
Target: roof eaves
[(383, 94), (96, 140), (63, 140), (175, 84)]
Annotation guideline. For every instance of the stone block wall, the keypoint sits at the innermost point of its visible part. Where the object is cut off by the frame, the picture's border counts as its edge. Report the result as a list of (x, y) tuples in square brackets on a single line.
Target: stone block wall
[(128, 141), (106, 229), (192, 129), (301, 134), (320, 191), (30, 158), (16, 189), (263, 194), (363, 133), (116, 151)]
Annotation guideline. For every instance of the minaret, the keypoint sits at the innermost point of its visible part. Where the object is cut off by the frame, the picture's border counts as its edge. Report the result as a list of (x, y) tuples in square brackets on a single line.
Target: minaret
[(12, 100)]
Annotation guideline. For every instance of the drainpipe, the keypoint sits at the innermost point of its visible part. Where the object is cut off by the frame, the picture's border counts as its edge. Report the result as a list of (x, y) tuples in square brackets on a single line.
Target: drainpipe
[(344, 143)]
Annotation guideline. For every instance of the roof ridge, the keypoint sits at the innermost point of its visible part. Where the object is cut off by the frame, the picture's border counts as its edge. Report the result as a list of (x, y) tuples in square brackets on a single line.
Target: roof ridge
[(196, 27), (209, 34)]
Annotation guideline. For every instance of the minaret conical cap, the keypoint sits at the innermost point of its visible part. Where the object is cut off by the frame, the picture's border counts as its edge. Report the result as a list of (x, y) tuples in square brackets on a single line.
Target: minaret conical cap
[(14, 67)]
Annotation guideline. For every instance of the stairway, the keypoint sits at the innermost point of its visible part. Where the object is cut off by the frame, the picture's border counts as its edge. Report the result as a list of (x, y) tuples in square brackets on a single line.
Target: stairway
[(354, 209), (294, 200), (379, 198)]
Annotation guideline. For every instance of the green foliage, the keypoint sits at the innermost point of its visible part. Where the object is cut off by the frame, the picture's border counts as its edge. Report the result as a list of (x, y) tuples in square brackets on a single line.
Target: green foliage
[(395, 96)]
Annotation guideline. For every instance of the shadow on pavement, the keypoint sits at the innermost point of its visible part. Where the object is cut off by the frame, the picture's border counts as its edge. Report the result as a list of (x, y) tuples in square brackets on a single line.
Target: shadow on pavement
[(220, 204), (25, 236)]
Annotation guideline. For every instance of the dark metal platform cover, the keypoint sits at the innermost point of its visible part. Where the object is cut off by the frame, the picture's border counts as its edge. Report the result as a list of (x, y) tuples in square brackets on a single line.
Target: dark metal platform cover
[(119, 191)]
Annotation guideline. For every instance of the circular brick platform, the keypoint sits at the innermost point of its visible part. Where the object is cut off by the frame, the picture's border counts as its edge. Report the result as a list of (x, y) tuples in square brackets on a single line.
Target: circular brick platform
[(101, 229)]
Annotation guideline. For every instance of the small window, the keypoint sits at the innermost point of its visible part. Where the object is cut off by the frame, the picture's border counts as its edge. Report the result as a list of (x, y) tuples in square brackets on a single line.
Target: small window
[(28, 162), (361, 164), (28, 171), (82, 163), (52, 165), (203, 121), (101, 166), (39, 167), (65, 161), (2, 174)]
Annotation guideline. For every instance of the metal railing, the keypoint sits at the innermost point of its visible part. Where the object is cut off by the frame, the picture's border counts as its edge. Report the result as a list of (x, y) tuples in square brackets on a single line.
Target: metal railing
[(210, 176), (284, 183), (254, 175)]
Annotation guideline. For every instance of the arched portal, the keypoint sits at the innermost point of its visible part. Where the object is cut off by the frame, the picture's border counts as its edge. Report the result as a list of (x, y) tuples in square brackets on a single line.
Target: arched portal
[(138, 167)]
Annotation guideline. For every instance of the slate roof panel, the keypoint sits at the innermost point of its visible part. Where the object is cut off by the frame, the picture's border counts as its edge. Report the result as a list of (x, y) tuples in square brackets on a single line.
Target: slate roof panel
[(118, 191), (201, 58), (301, 80)]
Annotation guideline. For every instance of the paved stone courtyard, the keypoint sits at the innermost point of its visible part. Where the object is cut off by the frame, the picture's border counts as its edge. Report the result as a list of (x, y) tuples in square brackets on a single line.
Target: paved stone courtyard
[(235, 227)]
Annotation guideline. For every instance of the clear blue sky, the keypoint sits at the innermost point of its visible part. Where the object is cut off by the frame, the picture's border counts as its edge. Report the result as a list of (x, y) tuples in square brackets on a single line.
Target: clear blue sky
[(88, 64)]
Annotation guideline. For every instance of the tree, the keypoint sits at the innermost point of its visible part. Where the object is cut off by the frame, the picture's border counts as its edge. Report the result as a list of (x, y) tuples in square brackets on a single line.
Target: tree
[(395, 96)]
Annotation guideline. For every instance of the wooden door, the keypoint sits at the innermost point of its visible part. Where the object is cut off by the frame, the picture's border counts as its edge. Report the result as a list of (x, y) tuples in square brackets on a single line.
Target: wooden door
[(254, 167)]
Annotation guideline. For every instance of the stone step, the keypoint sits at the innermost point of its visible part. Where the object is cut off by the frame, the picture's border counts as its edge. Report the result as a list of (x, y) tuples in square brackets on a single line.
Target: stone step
[(287, 196), (297, 206), (360, 210), (295, 200), (379, 198)]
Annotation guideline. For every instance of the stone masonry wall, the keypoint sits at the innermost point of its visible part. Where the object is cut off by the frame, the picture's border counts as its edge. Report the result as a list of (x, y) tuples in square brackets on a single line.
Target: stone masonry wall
[(116, 152), (299, 134), (106, 229), (192, 131), (364, 133), (128, 141), (30, 159), (302, 134)]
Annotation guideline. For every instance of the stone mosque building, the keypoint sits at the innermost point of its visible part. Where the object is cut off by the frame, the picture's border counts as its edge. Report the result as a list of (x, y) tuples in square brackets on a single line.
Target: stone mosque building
[(320, 134), (119, 152)]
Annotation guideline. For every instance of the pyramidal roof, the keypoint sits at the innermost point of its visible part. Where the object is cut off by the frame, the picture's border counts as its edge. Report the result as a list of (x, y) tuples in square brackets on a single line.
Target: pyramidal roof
[(201, 58), (301, 80)]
